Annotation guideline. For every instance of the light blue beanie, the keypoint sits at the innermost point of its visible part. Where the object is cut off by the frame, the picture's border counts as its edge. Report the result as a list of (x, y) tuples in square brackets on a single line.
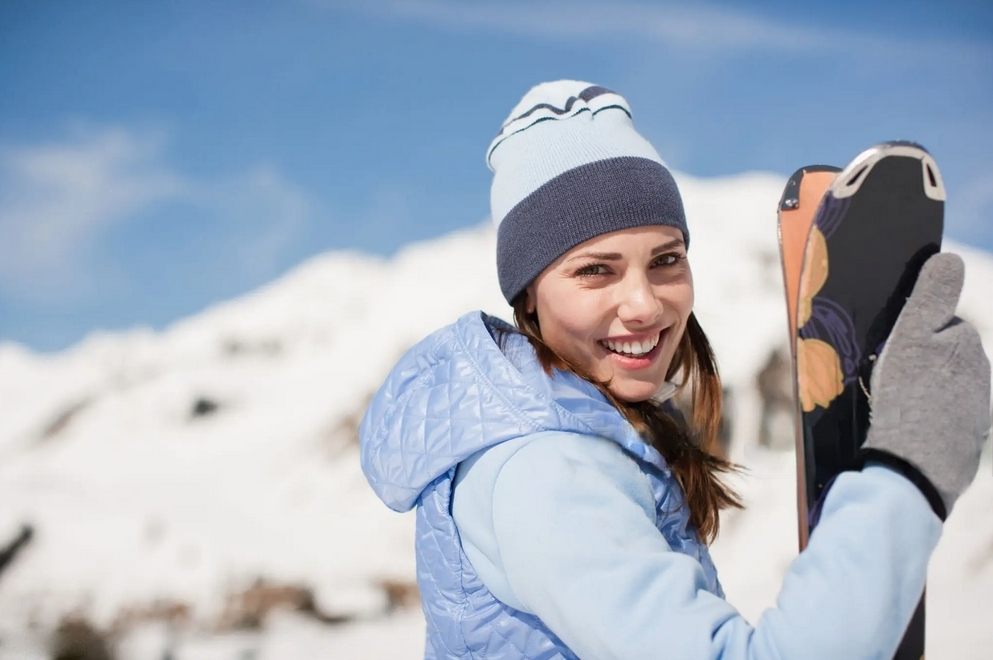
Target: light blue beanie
[(569, 166)]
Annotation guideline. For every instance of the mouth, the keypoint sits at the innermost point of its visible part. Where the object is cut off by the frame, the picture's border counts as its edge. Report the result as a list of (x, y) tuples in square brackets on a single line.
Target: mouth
[(637, 353)]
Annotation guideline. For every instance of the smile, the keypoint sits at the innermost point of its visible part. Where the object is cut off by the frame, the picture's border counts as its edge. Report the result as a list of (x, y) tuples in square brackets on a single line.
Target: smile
[(632, 348)]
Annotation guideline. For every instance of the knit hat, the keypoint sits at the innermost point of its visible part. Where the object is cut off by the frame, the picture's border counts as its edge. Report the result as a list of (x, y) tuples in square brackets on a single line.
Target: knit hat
[(569, 166)]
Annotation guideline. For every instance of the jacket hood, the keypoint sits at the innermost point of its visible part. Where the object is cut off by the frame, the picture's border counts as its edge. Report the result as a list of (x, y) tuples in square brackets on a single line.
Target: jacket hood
[(459, 391)]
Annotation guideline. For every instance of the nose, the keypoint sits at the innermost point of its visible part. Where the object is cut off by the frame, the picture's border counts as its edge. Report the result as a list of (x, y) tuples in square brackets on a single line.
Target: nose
[(637, 303)]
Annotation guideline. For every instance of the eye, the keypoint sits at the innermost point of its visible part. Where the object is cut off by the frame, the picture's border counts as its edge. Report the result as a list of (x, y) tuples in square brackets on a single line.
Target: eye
[(591, 270), (668, 259)]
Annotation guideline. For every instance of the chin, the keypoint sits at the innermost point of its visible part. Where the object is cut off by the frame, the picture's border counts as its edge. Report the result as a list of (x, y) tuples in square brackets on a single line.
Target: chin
[(634, 391)]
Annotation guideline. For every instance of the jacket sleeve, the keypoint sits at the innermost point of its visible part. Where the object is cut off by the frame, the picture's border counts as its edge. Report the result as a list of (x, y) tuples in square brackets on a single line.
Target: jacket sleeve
[(562, 523)]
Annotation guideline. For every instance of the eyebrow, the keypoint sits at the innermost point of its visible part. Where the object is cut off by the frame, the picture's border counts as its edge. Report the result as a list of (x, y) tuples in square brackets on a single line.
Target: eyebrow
[(674, 243), (617, 256)]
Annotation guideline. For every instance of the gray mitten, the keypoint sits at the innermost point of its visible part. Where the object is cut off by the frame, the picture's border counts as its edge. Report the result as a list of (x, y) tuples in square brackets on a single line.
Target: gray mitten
[(931, 390)]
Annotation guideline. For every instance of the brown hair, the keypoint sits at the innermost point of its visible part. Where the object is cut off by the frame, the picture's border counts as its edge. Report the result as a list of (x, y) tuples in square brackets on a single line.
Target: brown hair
[(685, 447)]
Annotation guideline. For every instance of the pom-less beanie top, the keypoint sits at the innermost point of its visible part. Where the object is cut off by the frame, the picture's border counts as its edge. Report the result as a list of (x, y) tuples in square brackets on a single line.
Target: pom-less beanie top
[(569, 166)]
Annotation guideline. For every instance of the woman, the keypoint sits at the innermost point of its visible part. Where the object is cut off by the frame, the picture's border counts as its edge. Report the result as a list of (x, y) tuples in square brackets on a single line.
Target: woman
[(562, 511)]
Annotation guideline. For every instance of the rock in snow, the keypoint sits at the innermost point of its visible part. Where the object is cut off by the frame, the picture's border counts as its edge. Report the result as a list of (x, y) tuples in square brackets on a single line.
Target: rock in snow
[(170, 475)]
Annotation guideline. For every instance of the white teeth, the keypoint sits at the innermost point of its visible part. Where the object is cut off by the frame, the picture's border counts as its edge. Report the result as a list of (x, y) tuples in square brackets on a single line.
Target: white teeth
[(635, 348)]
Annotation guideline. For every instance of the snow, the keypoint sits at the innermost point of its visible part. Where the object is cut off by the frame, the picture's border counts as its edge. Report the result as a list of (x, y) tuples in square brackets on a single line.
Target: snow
[(136, 502)]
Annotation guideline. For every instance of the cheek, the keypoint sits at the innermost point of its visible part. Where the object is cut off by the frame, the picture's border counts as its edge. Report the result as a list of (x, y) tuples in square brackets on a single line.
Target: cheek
[(689, 295), (569, 325), (685, 302), (677, 300)]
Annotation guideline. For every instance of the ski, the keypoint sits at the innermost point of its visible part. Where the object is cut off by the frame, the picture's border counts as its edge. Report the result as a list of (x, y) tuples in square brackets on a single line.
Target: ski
[(877, 222), (797, 207)]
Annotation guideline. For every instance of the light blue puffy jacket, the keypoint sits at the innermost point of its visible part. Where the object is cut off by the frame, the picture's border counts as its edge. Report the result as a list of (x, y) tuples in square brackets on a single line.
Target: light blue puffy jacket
[(453, 394), (459, 391)]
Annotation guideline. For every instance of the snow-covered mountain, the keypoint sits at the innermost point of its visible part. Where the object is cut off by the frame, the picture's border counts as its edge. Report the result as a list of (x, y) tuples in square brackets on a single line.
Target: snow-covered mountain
[(165, 473)]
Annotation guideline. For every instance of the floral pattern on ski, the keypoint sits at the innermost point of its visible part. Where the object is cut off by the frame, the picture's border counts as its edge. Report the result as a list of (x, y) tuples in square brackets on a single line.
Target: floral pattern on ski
[(824, 326)]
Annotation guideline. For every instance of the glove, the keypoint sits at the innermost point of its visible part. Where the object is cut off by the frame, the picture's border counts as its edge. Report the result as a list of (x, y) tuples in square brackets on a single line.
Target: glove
[(930, 406)]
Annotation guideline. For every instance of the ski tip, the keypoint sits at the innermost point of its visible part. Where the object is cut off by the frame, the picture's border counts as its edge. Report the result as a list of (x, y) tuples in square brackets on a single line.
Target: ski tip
[(790, 201), (854, 175), (903, 143)]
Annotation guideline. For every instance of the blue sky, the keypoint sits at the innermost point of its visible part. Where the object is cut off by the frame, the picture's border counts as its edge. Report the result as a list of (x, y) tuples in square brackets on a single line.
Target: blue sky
[(157, 157)]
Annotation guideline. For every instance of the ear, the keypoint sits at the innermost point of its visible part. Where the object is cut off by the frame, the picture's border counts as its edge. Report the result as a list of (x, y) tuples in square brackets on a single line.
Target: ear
[(529, 304)]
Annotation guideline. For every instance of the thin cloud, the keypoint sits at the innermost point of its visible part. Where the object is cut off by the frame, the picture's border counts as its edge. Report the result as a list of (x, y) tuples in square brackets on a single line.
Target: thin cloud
[(683, 25), (677, 25), (60, 201), (59, 197), (264, 214)]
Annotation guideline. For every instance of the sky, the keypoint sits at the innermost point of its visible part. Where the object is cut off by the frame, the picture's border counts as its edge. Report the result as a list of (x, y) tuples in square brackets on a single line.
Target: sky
[(156, 158)]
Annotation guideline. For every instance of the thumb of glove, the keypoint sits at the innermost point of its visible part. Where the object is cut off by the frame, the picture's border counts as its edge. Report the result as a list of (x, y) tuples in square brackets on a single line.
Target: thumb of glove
[(936, 294)]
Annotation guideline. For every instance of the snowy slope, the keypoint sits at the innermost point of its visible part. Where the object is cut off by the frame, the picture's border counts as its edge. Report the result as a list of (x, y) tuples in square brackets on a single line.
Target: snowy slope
[(136, 500)]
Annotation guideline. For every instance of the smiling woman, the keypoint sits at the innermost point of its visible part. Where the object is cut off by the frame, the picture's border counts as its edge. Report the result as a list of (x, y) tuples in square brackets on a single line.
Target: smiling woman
[(563, 506)]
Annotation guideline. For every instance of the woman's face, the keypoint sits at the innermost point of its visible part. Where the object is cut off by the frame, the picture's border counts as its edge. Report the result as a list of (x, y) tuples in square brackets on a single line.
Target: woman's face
[(617, 306)]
